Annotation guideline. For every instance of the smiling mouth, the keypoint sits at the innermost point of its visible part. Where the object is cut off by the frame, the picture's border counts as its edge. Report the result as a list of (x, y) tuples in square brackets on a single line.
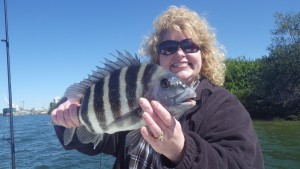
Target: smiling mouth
[(184, 64)]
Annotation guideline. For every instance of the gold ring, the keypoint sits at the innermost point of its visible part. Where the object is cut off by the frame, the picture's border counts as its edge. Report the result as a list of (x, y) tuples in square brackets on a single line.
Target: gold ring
[(160, 137)]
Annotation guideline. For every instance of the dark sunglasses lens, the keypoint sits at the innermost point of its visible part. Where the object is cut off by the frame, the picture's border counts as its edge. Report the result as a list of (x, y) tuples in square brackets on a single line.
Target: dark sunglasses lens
[(189, 46), (168, 47)]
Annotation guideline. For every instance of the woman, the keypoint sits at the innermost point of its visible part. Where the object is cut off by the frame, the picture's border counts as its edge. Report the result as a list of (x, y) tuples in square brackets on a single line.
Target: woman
[(216, 133)]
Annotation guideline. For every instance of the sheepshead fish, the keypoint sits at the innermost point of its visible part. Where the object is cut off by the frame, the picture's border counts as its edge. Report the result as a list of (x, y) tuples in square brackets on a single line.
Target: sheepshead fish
[(109, 97)]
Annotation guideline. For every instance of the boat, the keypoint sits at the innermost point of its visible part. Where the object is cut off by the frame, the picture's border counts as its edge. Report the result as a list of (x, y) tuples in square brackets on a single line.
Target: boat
[(6, 111)]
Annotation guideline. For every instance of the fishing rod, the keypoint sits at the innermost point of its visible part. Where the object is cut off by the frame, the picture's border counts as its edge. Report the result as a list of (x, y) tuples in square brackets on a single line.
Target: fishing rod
[(6, 40)]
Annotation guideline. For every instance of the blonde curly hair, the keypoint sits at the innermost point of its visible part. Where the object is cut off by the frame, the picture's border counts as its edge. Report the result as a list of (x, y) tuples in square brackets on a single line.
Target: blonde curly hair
[(182, 19)]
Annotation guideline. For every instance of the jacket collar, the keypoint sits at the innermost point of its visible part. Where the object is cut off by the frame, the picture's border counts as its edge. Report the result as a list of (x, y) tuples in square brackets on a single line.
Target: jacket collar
[(204, 85)]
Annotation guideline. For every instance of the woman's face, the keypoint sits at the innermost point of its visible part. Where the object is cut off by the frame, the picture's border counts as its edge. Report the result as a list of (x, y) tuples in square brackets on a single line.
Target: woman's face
[(186, 66)]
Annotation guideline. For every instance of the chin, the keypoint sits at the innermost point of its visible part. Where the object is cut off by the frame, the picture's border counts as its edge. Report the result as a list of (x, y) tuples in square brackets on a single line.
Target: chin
[(184, 76)]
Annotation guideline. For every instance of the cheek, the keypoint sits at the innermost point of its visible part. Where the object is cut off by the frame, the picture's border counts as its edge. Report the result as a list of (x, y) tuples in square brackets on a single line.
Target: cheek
[(164, 62), (197, 63)]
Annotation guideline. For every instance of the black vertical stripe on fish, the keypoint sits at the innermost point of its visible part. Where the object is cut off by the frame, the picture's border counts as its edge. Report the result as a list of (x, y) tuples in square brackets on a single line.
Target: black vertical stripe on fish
[(99, 103), (114, 94), (85, 108), (132, 118), (138, 111), (131, 85), (149, 71)]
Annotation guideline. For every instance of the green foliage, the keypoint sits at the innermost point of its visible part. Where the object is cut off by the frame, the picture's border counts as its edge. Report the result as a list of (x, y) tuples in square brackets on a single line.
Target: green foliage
[(287, 30), (270, 87), (279, 85), (241, 75), (51, 107)]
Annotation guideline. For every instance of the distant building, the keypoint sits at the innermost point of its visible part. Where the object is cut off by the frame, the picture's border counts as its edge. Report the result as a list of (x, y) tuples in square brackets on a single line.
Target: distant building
[(56, 99)]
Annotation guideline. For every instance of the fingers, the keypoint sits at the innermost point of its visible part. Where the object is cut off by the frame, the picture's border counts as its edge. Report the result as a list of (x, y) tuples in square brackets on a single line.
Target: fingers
[(154, 129), (163, 131), (157, 117), (159, 114), (66, 115), (148, 136), (163, 114), (146, 106), (73, 110), (54, 116)]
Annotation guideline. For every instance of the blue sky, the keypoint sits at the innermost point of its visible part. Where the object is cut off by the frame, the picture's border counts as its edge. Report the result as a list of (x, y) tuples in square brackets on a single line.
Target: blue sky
[(56, 43)]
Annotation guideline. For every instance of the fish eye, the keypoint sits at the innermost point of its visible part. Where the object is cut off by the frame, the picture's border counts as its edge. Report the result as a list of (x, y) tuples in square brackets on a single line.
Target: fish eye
[(165, 83)]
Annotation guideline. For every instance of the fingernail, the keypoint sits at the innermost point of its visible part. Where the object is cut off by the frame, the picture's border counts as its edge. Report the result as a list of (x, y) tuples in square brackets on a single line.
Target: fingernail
[(141, 101), (154, 103), (144, 113)]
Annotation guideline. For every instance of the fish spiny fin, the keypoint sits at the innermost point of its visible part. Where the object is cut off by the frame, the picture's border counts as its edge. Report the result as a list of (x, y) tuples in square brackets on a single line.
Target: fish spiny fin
[(134, 59), (68, 135), (98, 75), (85, 137), (126, 60), (76, 91)]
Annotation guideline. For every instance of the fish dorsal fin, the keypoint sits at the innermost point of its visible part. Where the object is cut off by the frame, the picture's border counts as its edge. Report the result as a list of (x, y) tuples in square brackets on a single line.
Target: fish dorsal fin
[(76, 91)]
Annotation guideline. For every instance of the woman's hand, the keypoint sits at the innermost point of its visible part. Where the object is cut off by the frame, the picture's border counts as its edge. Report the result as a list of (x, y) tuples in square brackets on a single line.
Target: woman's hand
[(66, 114), (160, 122)]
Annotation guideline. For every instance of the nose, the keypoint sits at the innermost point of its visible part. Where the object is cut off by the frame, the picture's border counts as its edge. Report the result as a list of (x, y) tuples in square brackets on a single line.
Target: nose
[(180, 52)]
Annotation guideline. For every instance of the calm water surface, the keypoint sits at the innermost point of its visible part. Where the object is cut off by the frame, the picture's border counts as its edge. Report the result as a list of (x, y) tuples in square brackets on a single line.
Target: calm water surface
[(280, 142), (38, 148)]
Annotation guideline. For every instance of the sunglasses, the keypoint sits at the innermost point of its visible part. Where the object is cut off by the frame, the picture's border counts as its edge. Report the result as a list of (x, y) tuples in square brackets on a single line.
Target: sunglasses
[(169, 47)]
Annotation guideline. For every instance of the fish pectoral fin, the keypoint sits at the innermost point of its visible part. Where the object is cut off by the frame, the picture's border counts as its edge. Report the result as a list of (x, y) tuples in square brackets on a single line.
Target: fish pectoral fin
[(133, 139), (86, 137), (68, 135)]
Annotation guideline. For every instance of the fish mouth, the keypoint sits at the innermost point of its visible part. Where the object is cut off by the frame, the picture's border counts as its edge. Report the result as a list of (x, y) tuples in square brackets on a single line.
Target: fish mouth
[(185, 98), (182, 102), (189, 101), (188, 96)]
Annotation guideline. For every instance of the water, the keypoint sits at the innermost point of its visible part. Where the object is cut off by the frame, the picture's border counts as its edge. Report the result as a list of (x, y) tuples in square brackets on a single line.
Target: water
[(280, 142), (38, 148)]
